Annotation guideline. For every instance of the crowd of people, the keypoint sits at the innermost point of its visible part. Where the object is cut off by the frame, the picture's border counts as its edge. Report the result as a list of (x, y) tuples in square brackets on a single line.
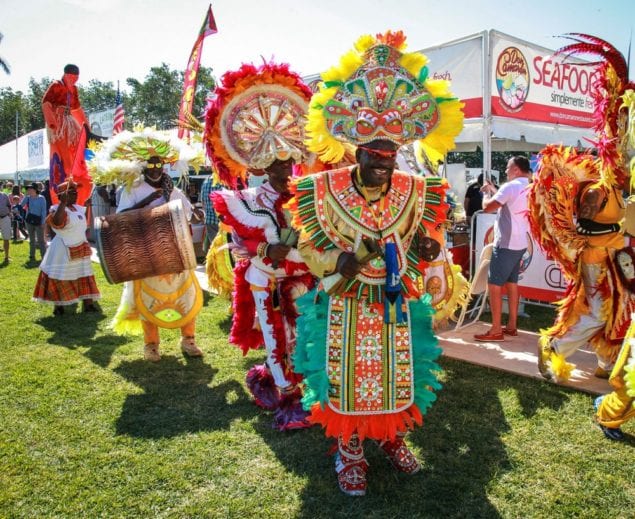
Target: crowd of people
[(331, 249)]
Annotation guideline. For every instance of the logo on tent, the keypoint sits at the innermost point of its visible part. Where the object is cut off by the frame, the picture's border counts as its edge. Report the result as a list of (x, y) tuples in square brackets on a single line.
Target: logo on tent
[(512, 79)]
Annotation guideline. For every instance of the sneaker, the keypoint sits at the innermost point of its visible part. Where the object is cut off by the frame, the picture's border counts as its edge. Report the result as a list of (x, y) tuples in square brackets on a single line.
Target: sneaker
[(351, 467), (612, 433), (400, 456), (489, 337), (151, 352), (189, 347)]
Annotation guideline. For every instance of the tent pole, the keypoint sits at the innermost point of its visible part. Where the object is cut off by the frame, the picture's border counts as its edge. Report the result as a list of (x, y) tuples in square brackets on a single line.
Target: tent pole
[(487, 102), (17, 119)]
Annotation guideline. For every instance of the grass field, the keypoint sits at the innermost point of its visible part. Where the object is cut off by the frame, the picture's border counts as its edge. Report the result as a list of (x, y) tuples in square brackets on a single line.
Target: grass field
[(88, 429)]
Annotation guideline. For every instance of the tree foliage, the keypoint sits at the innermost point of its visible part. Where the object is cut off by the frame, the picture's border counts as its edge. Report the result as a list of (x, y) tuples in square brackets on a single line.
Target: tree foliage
[(153, 101)]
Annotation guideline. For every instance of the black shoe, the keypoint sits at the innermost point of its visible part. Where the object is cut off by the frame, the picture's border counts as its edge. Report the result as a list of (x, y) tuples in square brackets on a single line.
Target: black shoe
[(90, 307), (59, 310)]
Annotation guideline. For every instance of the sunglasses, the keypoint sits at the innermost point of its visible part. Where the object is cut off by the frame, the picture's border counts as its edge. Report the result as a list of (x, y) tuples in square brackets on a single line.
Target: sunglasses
[(152, 165), (386, 154)]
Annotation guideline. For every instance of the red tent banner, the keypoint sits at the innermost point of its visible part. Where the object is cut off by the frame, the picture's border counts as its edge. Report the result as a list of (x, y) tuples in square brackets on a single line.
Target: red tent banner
[(191, 72)]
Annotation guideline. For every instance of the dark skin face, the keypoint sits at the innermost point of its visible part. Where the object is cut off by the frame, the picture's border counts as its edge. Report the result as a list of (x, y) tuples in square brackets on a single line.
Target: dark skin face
[(279, 173), (376, 169), (154, 170)]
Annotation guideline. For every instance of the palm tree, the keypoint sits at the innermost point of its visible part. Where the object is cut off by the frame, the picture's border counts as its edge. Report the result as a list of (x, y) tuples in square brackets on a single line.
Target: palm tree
[(3, 64)]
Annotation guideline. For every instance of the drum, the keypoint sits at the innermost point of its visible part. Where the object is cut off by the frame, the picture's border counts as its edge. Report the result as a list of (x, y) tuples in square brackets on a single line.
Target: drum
[(145, 242)]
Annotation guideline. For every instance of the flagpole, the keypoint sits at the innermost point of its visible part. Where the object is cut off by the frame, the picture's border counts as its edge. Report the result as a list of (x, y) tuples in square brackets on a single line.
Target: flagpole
[(17, 119)]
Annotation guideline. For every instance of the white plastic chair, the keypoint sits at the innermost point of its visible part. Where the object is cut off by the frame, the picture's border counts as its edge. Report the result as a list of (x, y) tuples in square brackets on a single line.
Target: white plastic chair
[(478, 289)]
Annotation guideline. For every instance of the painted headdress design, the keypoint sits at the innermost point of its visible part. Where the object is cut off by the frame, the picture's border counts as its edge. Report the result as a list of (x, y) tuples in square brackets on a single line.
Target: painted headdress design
[(122, 158), (380, 92), (257, 115)]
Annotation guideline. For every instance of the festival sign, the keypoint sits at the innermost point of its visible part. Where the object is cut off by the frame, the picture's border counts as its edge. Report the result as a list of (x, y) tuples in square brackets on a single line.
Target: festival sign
[(35, 148), (530, 83), (461, 63), (101, 122), (540, 278)]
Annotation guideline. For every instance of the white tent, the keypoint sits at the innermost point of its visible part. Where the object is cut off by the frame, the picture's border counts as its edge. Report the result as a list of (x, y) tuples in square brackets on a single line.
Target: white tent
[(25, 159), (518, 96)]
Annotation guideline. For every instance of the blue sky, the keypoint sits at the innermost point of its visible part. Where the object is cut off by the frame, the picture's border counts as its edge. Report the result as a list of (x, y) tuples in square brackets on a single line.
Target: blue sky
[(111, 40)]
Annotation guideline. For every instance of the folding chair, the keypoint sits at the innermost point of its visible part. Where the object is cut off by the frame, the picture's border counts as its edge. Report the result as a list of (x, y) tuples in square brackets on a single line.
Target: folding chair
[(478, 289)]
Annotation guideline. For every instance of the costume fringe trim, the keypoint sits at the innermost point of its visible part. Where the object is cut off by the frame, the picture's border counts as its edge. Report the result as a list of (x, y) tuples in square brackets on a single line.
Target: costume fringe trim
[(310, 360)]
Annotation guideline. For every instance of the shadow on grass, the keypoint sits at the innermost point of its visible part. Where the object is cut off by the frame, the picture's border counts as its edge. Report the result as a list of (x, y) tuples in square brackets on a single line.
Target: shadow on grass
[(77, 329), (460, 447), (177, 399)]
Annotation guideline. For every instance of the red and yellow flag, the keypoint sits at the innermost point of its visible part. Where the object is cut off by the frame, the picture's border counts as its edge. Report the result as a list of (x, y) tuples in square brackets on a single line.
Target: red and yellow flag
[(191, 72)]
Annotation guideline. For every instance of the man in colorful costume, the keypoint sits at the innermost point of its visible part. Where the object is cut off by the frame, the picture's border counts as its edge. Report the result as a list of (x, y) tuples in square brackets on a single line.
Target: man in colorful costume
[(365, 344), (256, 123), (576, 211), (65, 123), (137, 161)]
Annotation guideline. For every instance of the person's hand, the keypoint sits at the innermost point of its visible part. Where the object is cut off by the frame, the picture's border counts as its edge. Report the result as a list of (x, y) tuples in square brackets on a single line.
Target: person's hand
[(488, 188), (153, 196), (429, 249), (277, 252), (347, 265)]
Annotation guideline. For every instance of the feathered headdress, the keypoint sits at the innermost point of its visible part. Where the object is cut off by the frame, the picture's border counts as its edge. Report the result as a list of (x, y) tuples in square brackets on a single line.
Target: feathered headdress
[(122, 158), (614, 101), (257, 115), (380, 92)]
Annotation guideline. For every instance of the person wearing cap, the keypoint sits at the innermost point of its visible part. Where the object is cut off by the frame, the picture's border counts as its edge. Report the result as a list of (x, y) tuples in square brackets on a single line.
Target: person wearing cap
[(65, 119), (66, 272), (34, 205), (365, 345)]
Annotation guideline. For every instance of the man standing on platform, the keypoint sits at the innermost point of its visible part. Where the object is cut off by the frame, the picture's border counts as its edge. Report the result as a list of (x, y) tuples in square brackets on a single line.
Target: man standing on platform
[(510, 243)]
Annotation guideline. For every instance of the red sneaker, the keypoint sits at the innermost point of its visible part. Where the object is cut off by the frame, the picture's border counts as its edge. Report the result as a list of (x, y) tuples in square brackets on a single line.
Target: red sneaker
[(401, 456), (351, 467), (489, 337)]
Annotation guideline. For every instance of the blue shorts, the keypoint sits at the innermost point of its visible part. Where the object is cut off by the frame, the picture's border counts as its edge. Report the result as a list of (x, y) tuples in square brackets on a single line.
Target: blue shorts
[(504, 266)]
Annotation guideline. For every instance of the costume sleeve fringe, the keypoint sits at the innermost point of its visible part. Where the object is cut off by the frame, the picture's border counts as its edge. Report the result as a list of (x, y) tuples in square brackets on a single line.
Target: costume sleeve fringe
[(126, 320), (218, 265), (244, 331), (305, 217)]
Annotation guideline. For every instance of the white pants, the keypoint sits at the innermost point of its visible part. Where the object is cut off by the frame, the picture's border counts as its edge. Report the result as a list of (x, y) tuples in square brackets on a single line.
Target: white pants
[(589, 324)]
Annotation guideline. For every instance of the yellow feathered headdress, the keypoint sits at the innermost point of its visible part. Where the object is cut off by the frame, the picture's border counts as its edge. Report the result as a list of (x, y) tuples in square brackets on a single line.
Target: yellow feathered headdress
[(380, 92)]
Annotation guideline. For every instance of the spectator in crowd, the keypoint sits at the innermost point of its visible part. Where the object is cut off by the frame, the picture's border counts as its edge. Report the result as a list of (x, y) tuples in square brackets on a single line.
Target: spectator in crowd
[(510, 243), (18, 219), (5, 224), (211, 218), (35, 206)]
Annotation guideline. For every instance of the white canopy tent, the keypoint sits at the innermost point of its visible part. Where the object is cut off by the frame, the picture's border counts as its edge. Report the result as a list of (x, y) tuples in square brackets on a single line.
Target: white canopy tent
[(518, 96), (25, 159)]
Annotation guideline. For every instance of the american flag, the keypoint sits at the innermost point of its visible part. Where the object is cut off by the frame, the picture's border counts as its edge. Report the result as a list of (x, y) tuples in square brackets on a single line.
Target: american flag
[(117, 124)]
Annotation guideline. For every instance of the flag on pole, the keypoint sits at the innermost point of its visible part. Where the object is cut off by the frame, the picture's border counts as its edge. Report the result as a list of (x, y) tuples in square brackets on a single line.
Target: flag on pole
[(191, 72), (117, 123)]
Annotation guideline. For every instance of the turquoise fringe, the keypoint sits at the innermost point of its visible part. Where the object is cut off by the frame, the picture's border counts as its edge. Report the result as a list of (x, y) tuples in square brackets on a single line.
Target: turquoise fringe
[(310, 353)]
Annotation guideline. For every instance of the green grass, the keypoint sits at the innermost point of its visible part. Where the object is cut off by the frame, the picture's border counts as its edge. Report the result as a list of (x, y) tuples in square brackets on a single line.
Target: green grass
[(88, 429)]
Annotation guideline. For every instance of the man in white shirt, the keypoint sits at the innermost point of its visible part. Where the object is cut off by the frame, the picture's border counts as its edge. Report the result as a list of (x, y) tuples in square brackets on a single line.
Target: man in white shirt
[(510, 243)]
